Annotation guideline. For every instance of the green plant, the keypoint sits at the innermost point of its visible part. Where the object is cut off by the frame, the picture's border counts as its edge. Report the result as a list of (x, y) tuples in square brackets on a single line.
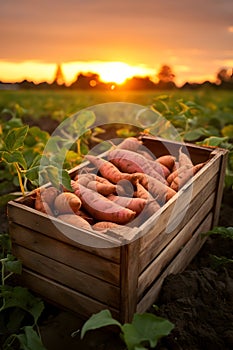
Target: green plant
[(19, 309), (226, 233), (145, 330)]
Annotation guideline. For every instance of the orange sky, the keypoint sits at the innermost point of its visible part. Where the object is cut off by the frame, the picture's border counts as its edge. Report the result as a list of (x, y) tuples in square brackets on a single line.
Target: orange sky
[(194, 37)]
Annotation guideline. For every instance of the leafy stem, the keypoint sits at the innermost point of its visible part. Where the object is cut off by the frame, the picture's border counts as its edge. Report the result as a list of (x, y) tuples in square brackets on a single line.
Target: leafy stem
[(18, 170)]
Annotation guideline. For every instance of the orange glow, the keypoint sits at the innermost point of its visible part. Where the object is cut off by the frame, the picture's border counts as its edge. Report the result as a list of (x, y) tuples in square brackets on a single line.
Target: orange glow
[(114, 72)]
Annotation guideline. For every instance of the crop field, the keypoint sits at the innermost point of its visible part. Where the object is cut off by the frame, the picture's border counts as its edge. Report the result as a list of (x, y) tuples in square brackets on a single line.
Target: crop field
[(60, 104), (27, 121)]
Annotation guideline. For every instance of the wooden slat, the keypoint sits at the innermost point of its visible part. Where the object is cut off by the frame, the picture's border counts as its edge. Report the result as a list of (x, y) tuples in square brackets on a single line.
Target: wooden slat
[(159, 221), (62, 296), (160, 263), (177, 265), (219, 188), (160, 146), (66, 254), (160, 241), (54, 228), (68, 276), (129, 280)]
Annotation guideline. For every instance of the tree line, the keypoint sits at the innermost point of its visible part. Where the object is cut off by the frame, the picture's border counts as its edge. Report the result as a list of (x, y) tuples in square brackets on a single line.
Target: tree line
[(92, 81)]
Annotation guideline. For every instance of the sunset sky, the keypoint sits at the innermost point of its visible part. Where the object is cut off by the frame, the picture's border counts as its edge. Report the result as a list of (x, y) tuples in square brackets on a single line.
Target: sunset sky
[(194, 37)]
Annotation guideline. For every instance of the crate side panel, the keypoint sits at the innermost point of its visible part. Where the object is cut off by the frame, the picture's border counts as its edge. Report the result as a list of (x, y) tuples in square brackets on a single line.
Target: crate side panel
[(190, 190), (64, 253), (161, 147), (161, 240), (178, 264), (36, 221), (62, 296), (163, 259), (70, 277)]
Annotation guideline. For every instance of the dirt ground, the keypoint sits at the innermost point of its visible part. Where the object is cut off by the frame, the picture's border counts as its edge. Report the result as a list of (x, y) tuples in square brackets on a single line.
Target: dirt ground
[(198, 301)]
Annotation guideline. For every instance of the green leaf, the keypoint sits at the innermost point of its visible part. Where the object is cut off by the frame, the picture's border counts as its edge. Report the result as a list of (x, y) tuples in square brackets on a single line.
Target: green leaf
[(22, 298), (145, 328), (66, 180), (32, 173), (227, 131), (213, 141), (15, 138), (13, 265), (101, 319), (86, 119), (194, 134), (14, 157), (30, 340), (225, 232)]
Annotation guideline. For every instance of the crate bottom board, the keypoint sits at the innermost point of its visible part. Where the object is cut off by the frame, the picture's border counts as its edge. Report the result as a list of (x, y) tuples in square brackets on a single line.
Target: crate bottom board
[(62, 296)]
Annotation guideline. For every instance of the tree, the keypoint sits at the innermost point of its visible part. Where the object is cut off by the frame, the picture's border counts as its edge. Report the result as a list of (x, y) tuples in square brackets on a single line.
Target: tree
[(166, 74), (224, 75), (166, 77)]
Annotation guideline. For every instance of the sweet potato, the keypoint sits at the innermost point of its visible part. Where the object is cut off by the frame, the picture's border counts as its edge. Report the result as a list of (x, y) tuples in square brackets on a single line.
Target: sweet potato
[(49, 194), (85, 216), (67, 202), (130, 143), (168, 161), (104, 226), (125, 188), (135, 204), (102, 208), (103, 188), (130, 162), (175, 173), (75, 220), (160, 191), (184, 159), (152, 206), (42, 205), (108, 170), (183, 174)]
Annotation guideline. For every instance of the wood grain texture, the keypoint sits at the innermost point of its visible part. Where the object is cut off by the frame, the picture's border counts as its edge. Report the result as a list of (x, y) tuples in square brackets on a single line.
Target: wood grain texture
[(94, 265)]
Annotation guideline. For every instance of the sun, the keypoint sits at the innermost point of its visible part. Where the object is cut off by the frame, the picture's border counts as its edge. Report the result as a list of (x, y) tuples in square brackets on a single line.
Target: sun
[(116, 72)]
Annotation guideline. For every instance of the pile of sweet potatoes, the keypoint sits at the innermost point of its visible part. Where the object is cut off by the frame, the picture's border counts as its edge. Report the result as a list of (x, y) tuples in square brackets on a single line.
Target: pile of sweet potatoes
[(126, 187)]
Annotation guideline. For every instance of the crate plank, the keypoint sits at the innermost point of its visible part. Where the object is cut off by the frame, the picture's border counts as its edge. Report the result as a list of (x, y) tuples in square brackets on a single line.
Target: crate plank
[(129, 280), (161, 147), (68, 276), (62, 296), (67, 254), (178, 264), (88, 241), (159, 242), (158, 222), (158, 265)]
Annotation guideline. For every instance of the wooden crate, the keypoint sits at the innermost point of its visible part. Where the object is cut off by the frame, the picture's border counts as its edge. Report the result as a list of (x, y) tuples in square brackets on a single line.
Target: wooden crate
[(85, 278)]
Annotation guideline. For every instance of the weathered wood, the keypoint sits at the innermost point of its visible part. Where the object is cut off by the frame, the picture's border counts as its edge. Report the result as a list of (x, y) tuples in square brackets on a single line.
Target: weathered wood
[(68, 276), (159, 264), (54, 228), (151, 250), (129, 280), (69, 255), (178, 264), (219, 188), (62, 296)]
